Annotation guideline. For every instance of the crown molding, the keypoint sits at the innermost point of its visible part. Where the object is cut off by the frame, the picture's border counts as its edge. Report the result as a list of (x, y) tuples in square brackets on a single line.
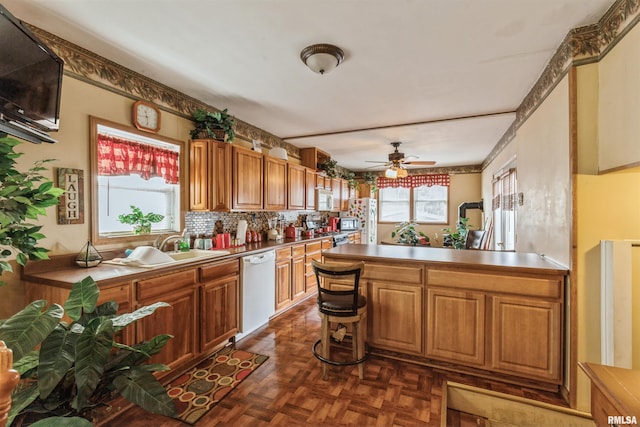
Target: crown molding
[(581, 46), (94, 69)]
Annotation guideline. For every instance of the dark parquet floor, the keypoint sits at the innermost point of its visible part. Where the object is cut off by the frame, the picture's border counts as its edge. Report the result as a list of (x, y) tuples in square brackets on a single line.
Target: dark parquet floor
[(288, 389)]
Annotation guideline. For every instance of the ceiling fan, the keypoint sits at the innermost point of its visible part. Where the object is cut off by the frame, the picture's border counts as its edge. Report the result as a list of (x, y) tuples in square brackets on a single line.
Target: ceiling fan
[(398, 159)]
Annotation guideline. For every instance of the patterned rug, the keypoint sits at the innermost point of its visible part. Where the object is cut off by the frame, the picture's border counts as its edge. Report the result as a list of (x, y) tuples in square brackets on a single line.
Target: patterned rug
[(200, 389)]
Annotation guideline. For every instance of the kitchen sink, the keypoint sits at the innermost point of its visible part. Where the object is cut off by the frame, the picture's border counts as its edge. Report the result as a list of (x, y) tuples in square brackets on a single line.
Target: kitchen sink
[(148, 257)]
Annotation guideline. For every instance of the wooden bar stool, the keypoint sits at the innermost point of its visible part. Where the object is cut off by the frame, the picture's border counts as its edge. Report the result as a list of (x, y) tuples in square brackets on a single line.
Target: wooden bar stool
[(339, 301)]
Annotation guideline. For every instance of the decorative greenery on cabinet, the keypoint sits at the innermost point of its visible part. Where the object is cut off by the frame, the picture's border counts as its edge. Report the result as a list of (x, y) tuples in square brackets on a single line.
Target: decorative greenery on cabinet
[(208, 123)]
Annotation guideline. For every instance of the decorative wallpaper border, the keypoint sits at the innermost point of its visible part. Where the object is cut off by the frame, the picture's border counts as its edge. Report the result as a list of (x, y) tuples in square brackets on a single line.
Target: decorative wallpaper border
[(93, 68), (581, 46)]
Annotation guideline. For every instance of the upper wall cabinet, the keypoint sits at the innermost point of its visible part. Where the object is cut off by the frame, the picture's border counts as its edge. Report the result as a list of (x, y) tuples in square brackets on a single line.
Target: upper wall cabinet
[(296, 189), (310, 186), (275, 184), (209, 175), (247, 179)]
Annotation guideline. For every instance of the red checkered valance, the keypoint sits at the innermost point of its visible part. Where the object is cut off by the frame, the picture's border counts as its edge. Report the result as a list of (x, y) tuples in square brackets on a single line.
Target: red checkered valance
[(118, 156), (413, 181)]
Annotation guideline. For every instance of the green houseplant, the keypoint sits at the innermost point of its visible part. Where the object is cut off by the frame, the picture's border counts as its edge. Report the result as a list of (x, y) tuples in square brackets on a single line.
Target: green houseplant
[(79, 367), (350, 177), (24, 196), (457, 239), (371, 180), (329, 166), (407, 234), (213, 125), (141, 222)]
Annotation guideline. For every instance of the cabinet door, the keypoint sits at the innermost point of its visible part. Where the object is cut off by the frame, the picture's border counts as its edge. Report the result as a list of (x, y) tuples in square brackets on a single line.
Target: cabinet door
[(199, 177), (526, 337), (296, 189), (283, 284), (336, 188), (220, 181), (310, 187), (395, 320), (122, 295), (247, 179), (344, 195), (275, 184), (456, 326), (219, 311), (298, 278), (178, 320)]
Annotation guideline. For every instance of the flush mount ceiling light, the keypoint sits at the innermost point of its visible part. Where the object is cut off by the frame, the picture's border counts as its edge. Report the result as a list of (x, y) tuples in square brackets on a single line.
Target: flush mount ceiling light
[(322, 58), (396, 171)]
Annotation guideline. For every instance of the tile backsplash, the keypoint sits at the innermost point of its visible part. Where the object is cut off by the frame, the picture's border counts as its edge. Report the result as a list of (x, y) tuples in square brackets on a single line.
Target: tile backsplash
[(209, 223)]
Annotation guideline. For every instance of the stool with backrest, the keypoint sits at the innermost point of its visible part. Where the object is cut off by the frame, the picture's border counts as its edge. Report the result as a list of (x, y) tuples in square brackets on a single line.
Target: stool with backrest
[(340, 301)]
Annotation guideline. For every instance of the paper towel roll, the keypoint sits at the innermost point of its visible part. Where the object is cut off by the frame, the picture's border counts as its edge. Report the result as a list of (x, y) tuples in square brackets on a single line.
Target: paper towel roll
[(242, 231)]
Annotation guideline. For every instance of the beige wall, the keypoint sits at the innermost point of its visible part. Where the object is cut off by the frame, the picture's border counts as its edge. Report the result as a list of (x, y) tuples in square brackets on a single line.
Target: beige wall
[(464, 188), (541, 151)]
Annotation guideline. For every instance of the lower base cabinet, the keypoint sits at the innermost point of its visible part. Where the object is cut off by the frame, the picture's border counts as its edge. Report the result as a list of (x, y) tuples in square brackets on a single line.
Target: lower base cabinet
[(219, 304)]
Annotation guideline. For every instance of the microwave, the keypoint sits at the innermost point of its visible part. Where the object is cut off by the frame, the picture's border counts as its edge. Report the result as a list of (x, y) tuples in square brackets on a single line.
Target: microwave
[(347, 224), (324, 200)]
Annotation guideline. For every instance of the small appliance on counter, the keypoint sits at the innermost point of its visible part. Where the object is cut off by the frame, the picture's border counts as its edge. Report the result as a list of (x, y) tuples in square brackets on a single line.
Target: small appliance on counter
[(348, 224), (333, 223), (241, 234)]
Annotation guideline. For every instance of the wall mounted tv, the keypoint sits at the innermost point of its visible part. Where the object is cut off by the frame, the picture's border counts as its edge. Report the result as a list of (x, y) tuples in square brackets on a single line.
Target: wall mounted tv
[(30, 82)]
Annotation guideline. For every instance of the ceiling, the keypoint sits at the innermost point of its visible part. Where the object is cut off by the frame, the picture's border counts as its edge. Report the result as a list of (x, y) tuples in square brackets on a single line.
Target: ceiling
[(443, 76)]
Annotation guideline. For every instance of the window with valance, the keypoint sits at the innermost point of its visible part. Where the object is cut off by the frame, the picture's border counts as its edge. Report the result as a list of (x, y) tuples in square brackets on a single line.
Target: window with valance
[(122, 157), (420, 198), (413, 181)]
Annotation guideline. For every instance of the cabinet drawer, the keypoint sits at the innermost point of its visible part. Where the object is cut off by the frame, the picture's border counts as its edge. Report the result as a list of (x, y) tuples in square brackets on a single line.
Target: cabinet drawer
[(215, 271), (395, 273), (298, 251), (529, 286), (314, 247), (327, 244), (282, 254), (150, 288)]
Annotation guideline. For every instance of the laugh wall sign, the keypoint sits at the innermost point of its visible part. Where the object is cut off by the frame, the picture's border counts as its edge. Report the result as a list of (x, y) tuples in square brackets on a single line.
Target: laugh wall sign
[(71, 203)]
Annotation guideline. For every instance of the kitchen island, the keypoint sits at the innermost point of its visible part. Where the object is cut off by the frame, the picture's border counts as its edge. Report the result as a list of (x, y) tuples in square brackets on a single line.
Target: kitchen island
[(489, 314)]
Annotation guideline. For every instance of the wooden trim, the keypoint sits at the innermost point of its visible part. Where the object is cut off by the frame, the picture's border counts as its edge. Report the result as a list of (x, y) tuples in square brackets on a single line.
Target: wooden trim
[(570, 390)]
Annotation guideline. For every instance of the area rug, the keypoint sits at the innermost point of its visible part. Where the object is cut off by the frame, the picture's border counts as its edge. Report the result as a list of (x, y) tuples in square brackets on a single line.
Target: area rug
[(200, 389)]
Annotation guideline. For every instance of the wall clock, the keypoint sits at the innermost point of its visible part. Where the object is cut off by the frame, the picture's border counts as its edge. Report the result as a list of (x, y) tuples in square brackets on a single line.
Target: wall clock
[(146, 116)]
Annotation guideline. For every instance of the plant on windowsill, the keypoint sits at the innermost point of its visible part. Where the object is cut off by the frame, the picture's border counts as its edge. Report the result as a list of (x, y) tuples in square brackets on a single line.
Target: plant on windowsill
[(407, 234), (141, 222), (24, 196), (218, 125), (329, 166), (457, 239), (69, 372)]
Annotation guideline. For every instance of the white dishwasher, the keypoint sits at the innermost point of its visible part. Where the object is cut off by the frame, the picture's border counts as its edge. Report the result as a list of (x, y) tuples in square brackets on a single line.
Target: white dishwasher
[(257, 290)]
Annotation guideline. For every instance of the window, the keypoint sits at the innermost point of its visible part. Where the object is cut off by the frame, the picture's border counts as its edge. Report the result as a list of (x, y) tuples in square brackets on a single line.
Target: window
[(134, 168), (424, 204)]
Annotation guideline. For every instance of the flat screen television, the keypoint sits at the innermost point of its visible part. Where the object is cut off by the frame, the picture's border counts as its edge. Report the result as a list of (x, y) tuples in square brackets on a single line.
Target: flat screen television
[(30, 82)]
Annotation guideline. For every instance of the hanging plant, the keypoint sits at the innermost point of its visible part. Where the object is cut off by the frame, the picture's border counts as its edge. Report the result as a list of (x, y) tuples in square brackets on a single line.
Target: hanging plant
[(23, 196), (329, 166), (350, 177), (372, 181)]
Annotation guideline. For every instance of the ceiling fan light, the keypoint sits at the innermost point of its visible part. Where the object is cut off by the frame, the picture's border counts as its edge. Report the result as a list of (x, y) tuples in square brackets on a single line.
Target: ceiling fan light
[(322, 58), (402, 173), (392, 173)]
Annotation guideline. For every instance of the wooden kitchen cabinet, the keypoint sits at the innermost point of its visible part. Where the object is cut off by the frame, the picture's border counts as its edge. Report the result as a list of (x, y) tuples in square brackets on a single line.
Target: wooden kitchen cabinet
[(219, 303), (456, 326), (344, 195), (395, 295), (310, 189), (296, 188), (247, 179), (355, 237), (336, 188), (284, 295), (525, 337), (179, 320), (298, 277), (313, 157), (209, 175), (313, 251), (275, 184)]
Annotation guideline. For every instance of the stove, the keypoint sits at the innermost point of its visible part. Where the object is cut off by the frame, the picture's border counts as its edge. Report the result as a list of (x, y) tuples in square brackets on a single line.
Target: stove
[(340, 239)]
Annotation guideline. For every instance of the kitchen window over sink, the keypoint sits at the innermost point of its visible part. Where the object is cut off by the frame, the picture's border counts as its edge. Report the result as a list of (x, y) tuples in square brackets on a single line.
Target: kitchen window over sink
[(134, 168), (421, 198)]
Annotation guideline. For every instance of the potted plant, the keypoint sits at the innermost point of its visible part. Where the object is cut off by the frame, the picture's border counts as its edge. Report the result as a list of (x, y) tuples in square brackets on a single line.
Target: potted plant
[(329, 166), (371, 181), (68, 371), (218, 125), (24, 196), (457, 239), (141, 222), (350, 177), (407, 234)]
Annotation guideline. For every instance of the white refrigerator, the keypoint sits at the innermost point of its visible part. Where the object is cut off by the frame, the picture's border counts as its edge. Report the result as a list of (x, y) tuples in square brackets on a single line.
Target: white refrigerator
[(366, 210)]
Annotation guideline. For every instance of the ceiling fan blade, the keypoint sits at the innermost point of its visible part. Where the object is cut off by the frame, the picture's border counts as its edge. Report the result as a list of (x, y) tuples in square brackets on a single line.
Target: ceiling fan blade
[(377, 166), (420, 162), (374, 161)]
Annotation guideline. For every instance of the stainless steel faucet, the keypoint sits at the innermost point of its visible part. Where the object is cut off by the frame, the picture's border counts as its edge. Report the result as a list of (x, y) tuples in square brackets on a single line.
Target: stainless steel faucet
[(160, 246)]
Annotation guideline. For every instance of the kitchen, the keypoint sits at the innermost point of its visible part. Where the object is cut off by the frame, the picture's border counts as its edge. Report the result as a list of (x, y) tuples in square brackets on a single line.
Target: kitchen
[(541, 170)]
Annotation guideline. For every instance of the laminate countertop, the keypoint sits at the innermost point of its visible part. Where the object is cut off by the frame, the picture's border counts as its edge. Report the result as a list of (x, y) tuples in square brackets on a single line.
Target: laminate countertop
[(491, 260)]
